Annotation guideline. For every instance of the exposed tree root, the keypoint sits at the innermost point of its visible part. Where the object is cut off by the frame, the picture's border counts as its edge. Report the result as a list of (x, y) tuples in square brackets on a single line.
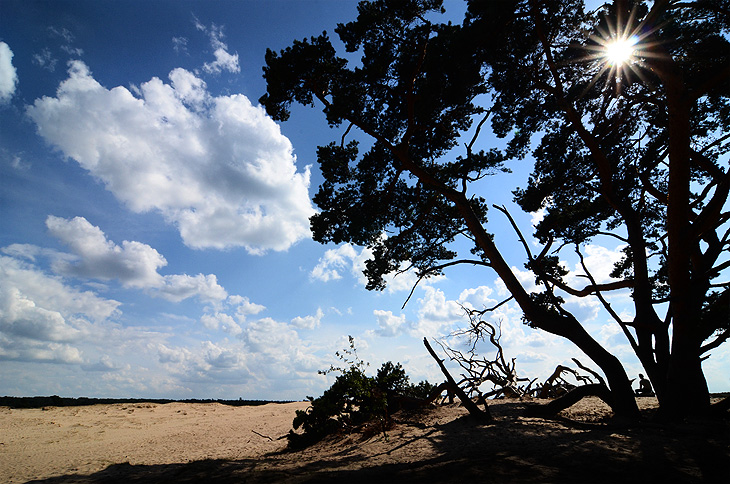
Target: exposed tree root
[(569, 399)]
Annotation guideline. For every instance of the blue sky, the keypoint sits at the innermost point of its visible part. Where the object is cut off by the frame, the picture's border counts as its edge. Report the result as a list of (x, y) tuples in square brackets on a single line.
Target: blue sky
[(154, 236)]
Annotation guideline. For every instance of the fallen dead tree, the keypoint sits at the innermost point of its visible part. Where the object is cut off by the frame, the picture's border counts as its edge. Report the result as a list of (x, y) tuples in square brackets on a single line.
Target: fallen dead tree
[(478, 370), (501, 373)]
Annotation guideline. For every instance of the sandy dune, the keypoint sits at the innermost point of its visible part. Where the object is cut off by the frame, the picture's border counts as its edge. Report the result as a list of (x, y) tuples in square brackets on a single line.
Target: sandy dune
[(40, 443), (216, 443)]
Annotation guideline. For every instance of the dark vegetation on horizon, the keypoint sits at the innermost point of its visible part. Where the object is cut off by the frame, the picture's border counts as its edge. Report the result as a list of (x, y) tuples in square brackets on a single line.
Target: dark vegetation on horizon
[(56, 401)]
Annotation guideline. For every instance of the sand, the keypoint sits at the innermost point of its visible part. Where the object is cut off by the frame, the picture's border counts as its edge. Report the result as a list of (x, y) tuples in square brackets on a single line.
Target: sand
[(40, 443), (180, 442)]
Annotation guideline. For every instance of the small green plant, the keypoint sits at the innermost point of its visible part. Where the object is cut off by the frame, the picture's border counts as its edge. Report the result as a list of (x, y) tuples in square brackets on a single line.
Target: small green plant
[(353, 399)]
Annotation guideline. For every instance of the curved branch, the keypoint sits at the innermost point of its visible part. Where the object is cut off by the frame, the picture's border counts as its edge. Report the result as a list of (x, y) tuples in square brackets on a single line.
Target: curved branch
[(721, 338), (495, 307), (611, 234), (585, 368), (593, 288), (433, 269), (607, 306), (503, 209)]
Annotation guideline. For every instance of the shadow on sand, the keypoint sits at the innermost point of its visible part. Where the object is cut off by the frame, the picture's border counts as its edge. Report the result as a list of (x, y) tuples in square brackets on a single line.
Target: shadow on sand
[(514, 450)]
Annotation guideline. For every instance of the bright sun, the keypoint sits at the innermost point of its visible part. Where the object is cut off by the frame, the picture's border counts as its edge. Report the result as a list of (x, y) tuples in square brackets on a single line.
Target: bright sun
[(620, 51)]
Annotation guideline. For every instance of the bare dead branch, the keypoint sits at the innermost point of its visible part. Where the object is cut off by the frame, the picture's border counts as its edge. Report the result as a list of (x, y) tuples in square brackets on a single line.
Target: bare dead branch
[(585, 368), (483, 415)]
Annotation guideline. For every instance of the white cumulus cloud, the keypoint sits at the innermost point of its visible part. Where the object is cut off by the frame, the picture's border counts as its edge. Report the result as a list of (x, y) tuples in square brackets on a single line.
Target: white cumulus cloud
[(347, 259), (41, 318), (344, 258), (133, 264), (388, 323), (218, 168), (308, 322), (8, 73)]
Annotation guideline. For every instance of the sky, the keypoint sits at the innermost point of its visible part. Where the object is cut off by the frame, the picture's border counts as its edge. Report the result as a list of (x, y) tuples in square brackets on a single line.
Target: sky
[(154, 233)]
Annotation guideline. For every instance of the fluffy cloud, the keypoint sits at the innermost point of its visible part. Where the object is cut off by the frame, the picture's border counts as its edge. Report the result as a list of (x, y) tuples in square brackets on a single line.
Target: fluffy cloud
[(600, 262), (344, 258), (265, 350), (477, 298), (347, 259), (223, 321), (308, 322), (133, 264), (244, 306), (389, 324), (8, 74), (435, 307), (277, 350), (44, 320), (436, 316), (218, 168), (268, 358), (41, 318), (224, 61)]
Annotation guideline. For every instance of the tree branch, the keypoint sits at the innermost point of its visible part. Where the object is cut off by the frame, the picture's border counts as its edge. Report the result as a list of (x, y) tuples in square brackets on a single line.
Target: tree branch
[(466, 401), (720, 339), (607, 306), (433, 269)]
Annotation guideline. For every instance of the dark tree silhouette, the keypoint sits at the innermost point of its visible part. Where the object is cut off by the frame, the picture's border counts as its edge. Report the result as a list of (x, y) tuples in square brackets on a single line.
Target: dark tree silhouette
[(635, 151)]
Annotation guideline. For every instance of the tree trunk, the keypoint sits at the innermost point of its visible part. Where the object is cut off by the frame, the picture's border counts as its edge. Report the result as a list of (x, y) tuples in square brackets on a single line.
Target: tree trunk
[(687, 392), (623, 401), (562, 325), (686, 384)]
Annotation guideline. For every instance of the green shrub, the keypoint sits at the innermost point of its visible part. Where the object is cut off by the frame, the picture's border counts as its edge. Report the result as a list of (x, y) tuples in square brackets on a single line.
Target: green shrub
[(353, 399)]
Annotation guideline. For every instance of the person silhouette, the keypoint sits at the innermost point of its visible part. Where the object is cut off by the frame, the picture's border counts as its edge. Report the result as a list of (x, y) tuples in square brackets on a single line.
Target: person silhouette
[(645, 389)]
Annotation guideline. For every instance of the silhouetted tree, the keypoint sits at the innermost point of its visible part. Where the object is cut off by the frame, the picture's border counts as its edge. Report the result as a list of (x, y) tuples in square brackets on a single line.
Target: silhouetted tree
[(634, 151)]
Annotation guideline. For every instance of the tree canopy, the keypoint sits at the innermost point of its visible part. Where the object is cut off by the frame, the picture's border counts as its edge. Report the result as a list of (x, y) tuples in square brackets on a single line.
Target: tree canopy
[(634, 150)]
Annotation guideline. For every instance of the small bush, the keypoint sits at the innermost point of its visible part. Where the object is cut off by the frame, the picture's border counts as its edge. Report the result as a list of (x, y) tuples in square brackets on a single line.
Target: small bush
[(354, 399)]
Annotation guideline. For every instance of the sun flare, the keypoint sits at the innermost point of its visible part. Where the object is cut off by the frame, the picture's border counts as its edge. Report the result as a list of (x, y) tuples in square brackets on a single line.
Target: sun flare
[(617, 52), (620, 51)]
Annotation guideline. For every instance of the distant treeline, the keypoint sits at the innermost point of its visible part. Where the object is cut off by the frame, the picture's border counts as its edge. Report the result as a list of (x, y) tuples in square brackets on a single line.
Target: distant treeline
[(56, 401)]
